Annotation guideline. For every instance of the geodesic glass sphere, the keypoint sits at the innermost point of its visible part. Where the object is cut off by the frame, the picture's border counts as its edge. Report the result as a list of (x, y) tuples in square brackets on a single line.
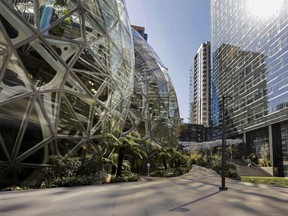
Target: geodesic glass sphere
[(66, 77)]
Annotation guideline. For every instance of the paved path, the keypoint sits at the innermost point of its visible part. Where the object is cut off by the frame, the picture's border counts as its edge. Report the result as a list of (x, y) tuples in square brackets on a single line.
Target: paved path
[(196, 193)]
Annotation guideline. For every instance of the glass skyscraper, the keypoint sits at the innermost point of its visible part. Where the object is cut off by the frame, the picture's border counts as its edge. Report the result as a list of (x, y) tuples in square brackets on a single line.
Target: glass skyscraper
[(250, 64)]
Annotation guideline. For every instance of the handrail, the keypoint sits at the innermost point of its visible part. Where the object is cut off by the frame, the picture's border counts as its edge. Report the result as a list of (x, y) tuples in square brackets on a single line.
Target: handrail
[(249, 161)]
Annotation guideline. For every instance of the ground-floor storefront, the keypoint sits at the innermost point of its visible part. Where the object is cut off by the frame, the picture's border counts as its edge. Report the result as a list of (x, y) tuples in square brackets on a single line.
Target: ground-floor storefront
[(270, 144)]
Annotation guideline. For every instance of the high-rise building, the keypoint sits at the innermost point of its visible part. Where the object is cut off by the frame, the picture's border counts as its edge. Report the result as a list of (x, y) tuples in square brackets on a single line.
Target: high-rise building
[(201, 108), (191, 132), (250, 65), (191, 96)]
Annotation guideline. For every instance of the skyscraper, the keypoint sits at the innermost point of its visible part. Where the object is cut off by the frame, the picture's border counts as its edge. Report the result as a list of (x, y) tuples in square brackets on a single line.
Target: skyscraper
[(191, 96), (201, 106), (250, 64)]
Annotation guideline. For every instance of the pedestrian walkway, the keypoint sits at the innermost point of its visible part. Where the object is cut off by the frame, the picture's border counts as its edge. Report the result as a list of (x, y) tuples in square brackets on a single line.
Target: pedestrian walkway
[(195, 193)]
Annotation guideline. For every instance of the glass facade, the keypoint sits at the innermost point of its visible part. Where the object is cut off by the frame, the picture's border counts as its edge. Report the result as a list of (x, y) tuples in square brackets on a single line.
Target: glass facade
[(155, 108), (250, 64), (192, 132), (284, 144), (66, 77)]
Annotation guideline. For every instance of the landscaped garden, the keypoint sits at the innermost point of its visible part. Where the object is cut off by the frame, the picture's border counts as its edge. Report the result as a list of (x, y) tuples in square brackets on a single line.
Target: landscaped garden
[(121, 159), (212, 158)]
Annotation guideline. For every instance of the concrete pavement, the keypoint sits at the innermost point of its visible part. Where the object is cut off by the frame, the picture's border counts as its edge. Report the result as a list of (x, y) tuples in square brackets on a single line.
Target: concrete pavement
[(196, 193)]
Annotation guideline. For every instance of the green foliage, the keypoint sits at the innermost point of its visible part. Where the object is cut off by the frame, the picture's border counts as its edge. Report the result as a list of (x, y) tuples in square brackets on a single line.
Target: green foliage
[(162, 173), (265, 152), (199, 159), (128, 145), (253, 158), (126, 178), (133, 146), (264, 163), (15, 188), (172, 172), (67, 181), (265, 155), (166, 161), (214, 162), (276, 181), (62, 167), (60, 2), (179, 159), (231, 170), (232, 150), (66, 172)]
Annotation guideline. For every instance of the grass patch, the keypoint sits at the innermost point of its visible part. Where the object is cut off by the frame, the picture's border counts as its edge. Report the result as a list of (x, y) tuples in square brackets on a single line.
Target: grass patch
[(275, 181)]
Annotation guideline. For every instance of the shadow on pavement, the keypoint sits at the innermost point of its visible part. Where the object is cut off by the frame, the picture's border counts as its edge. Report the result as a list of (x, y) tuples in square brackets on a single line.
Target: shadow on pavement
[(181, 209)]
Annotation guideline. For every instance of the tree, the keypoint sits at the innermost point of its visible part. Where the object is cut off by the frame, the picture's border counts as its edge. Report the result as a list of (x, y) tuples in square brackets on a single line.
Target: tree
[(130, 144)]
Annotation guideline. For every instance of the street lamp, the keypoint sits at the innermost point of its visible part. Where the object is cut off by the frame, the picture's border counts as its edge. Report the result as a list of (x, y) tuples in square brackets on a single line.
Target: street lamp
[(223, 188)]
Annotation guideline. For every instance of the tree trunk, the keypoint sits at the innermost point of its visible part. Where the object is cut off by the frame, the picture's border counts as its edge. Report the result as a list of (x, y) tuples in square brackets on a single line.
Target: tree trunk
[(120, 161), (113, 170), (164, 163), (133, 165)]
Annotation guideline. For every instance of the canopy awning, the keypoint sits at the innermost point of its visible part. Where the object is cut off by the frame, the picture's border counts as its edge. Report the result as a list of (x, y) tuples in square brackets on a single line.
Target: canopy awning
[(209, 144)]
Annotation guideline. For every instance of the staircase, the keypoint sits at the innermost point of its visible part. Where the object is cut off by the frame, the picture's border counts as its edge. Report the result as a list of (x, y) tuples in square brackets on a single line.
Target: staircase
[(244, 170)]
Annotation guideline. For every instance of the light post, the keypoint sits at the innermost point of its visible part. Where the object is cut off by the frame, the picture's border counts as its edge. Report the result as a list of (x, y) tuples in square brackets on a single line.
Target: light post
[(223, 188), (148, 167)]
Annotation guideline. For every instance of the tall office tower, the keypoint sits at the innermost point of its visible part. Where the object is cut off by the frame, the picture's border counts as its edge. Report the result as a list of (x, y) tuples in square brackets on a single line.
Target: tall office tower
[(250, 65), (191, 96), (141, 31), (201, 110)]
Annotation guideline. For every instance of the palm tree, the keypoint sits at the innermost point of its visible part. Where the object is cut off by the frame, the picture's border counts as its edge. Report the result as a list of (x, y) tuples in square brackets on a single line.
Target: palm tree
[(130, 144), (101, 153)]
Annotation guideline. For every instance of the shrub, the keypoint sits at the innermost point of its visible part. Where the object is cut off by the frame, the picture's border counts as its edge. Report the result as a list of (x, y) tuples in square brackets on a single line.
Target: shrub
[(268, 163), (15, 188), (172, 172), (182, 170), (125, 178), (198, 159), (265, 163), (119, 179), (62, 167), (65, 181), (231, 170), (253, 158), (64, 173), (133, 178)]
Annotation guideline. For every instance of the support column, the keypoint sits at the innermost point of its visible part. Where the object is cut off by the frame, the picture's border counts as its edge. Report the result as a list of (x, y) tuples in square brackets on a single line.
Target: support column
[(245, 144), (277, 150), (270, 136)]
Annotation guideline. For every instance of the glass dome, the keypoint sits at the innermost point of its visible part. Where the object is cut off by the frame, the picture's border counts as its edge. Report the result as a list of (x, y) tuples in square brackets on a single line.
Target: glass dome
[(154, 107), (66, 77)]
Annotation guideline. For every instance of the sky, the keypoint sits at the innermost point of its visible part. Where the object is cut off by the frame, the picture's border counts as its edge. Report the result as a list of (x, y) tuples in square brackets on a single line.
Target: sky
[(176, 29)]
